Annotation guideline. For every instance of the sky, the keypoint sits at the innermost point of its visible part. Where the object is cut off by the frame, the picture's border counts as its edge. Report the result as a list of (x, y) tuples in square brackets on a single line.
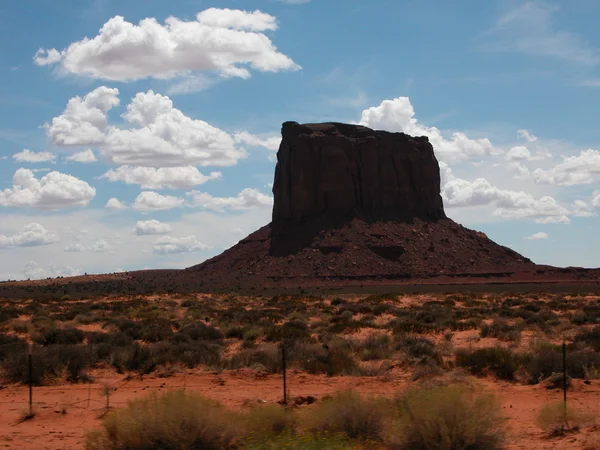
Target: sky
[(141, 135)]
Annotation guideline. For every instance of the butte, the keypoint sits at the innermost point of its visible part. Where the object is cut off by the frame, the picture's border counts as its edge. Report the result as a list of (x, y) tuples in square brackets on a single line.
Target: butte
[(355, 205)]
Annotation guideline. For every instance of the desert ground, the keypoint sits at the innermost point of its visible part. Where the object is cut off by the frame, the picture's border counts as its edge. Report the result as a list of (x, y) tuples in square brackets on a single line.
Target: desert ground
[(91, 356)]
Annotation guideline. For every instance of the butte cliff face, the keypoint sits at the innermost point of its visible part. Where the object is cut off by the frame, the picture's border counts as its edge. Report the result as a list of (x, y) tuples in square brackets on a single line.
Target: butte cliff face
[(355, 205), (332, 172)]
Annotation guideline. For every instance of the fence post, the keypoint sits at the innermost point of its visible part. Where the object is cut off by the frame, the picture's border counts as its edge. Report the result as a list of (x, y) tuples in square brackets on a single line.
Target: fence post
[(30, 379), (283, 367), (564, 355)]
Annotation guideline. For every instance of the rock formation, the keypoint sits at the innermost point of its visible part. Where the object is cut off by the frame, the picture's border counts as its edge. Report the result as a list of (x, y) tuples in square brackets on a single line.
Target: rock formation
[(353, 203)]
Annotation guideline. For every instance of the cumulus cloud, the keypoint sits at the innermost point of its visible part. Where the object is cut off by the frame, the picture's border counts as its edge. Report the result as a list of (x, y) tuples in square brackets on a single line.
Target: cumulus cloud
[(253, 140), (27, 156), (53, 191), (74, 248), (518, 153), (32, 235), (100, 246), (149, 227), (115, 203), (579, 208), (156, 135), (457, 192), (165, 177), (85, 156), (596, 199), (573, 170), (227, 42), (398, 115), (153, 201), (246, 199), (34, 271), (538, 236), (168, 245), (527, 135)]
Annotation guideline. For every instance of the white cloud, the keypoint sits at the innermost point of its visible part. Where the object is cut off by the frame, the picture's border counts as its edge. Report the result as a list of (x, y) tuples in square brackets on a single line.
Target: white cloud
[(115, 203), (32, 235), (164, 135), (596, 199), (168, 245), (398, 115), (74, 248), (228, 42), (27, 156), (528, 28), (153, 201), (153, 226), (165, 177), (527, 135), (538, 236), (457, 192), (85, 156), (35, 272), (100, 246), (581, 169), (248, 198), (518, 153), (53, 191), (268, 142), (579, 208)]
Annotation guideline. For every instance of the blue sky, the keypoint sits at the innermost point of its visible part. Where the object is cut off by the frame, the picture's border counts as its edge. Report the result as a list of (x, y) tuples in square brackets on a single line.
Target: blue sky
[(143, 134)]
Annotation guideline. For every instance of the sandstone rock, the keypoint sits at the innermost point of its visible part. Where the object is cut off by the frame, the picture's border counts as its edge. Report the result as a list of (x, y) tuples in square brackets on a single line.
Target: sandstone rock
[(330, 173)]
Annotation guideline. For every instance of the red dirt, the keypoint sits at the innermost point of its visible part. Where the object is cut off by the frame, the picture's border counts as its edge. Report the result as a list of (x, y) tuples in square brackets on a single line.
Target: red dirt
[(52, 429)]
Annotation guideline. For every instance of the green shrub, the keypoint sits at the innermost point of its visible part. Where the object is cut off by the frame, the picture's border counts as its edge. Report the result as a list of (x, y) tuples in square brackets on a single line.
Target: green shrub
[(305, 441), (500, 361), (61, 336), (501, 329), (374, 347), (173, 420), (555, 418), (348, 414), (446, 418), (334, 358)]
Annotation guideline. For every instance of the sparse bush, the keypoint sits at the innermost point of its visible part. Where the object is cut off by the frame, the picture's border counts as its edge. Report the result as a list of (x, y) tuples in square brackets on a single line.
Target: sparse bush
[(61, 336), (305, 441), (200, 331), (270, 420), (446, 418), (174, 420), (334, 358), (556, 419), (500, 361), (375, 346), (267, 356), (501, 329), (418, 347), (347, 413)]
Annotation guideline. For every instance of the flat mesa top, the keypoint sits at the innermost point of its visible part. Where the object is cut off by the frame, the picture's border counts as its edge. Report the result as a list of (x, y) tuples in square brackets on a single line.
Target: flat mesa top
[(292, 129)]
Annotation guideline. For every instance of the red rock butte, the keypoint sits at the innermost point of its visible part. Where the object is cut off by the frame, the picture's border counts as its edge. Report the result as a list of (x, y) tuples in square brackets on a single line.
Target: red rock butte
[(354, 203)]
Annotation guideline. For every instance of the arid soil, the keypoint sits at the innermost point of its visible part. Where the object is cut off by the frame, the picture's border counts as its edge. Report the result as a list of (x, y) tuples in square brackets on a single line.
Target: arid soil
[(382, 345), (63, 415)]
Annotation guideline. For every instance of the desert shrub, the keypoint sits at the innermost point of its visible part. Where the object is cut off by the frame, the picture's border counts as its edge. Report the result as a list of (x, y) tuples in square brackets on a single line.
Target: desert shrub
[(201, 331), (500, 361), (555, 419), (173, 420), (10, 345), (235, 332), (47, 363), (191, 354), (349, 414), (334, 358), (292, 331), (20, 326), (134, 358), (270, 420), (61, 336), (501, 329), (590, 337), (267, 356), (418, 347), (155, 332), (374, 346), (129, 327), (446, 418), (118, 339), (547, 359)]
